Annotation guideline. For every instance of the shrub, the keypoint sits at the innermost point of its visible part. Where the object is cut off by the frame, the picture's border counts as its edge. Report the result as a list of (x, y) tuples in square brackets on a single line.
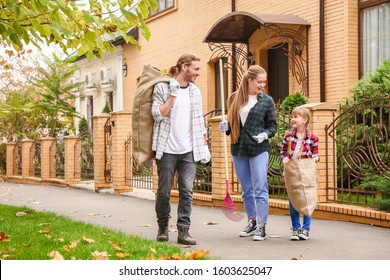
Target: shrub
[(292, 101), (83, 125)]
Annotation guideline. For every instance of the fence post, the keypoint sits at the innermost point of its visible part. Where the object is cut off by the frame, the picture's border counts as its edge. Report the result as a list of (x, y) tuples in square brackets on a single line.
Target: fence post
[(28, 152), (121, 127), (48, 157), (99, 151), (12, 165), (72, 149), (322, 115)]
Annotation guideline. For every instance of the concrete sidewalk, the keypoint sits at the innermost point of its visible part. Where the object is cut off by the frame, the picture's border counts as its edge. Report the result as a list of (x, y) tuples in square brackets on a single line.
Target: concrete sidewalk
[(134, 214)]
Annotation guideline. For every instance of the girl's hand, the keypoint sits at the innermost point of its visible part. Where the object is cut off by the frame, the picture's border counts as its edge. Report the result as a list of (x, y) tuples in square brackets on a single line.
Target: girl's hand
[(285, 160), (316, 158)]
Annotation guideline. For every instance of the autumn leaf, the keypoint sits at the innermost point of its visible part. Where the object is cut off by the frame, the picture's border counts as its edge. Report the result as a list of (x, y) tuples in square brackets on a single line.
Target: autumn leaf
[(174, 257), (74, 243), (88, 240), (61, 239), (122, 255), (26, 244), (196, 254), (116, 246), (211, 223), (152, 250), (144, 225), (10, 256), (6, 250), (93, 214), (67, 248), (3, 237), (55, 255), (44, 224), (100, 255), (46, 230), (20, 214)]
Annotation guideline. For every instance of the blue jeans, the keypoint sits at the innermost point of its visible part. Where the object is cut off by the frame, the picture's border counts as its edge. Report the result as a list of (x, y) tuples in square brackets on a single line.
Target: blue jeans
[(252, 174), (296, 220), (166, 168)]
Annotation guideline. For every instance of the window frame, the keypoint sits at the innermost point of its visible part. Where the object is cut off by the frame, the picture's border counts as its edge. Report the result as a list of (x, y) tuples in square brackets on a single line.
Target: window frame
[(361, 6), (154, 15)]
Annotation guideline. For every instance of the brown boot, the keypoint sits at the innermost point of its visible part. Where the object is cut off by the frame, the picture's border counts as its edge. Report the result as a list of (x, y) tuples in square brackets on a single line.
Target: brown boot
[(162, 235), (184, 237)]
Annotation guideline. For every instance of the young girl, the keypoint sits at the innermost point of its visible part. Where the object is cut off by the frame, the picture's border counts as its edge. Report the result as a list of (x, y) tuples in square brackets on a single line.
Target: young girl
[(303, 144)]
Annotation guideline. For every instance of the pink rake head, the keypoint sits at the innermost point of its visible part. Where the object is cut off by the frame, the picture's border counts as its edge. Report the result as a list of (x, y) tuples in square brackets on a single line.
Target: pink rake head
[(229, 208)]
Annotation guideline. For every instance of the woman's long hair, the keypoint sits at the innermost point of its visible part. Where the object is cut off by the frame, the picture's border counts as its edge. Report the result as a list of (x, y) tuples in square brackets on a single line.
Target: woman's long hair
[(239, 99)]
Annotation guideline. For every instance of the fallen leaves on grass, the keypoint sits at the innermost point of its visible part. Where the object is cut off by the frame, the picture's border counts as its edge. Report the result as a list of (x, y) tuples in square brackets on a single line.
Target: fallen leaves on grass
[(55, 255), (100, 255), (48, 230), (122, 255), (4, 237), (116, 245), (20, 214), (88, 240), (197, 254)]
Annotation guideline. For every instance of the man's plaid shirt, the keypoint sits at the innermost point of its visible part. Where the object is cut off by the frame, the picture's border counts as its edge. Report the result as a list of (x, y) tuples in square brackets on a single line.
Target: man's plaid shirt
[(162, 124), (261, 118)]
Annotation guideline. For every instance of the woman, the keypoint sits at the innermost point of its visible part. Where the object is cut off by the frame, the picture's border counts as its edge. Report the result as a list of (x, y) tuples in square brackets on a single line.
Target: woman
[(250, 123)]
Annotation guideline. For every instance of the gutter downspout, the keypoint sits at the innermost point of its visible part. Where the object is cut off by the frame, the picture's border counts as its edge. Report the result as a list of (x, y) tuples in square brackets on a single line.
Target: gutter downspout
[(322, 51), (234, 56)]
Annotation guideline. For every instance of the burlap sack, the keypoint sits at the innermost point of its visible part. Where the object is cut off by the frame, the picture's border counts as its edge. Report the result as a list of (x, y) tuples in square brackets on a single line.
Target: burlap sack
[(142, 119), (301, 184)]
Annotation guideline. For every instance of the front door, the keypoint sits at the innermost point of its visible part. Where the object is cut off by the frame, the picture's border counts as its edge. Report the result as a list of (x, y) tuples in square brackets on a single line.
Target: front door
[(278, 73)]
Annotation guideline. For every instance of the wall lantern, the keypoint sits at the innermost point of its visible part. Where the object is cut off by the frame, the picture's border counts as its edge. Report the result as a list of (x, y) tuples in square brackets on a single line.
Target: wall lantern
[(251, 58), (124, 69)]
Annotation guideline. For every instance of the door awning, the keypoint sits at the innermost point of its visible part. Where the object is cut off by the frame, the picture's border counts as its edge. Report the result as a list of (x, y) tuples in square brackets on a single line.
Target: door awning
[(238, 27)]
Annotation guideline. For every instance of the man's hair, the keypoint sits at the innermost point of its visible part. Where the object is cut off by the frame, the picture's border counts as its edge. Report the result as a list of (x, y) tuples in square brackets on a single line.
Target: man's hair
[(185, 59)]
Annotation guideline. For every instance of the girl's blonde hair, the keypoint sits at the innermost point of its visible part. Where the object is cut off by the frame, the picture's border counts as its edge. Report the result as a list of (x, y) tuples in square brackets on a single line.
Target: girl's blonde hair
[(239, 99), (304, 113)]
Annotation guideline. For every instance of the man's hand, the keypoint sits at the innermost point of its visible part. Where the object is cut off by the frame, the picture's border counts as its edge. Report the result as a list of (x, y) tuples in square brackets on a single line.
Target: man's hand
[(174, 86)]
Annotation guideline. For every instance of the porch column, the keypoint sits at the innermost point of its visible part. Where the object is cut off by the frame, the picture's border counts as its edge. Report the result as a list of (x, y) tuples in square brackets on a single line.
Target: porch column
[(12, 164), (28, 152), (72, 149), (121, 129), (48, 157), (322, 115), (99, 151)]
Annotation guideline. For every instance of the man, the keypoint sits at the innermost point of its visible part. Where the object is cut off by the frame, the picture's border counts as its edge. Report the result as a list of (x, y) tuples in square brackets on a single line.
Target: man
[(179, 142)]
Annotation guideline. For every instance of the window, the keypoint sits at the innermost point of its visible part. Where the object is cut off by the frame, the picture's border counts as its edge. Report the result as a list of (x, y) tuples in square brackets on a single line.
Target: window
[(163, 5), (374, 34)]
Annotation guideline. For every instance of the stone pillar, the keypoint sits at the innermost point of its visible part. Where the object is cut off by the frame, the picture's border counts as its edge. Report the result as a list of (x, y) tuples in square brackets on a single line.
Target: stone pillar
[(99, 151), (322, 115), (12, 164), (28, 152), (72, 149), (48, 157), (121, 129)]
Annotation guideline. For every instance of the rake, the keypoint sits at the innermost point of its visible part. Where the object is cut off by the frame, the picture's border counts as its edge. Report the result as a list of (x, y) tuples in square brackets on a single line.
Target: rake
[(228, 207)]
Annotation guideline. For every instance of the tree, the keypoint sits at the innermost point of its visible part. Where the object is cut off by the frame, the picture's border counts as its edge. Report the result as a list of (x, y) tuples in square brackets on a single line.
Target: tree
[(56, 104), (86, 25)]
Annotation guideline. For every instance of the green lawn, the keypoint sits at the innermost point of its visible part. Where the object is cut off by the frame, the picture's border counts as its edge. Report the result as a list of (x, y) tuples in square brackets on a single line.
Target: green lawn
[(26, 234)]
